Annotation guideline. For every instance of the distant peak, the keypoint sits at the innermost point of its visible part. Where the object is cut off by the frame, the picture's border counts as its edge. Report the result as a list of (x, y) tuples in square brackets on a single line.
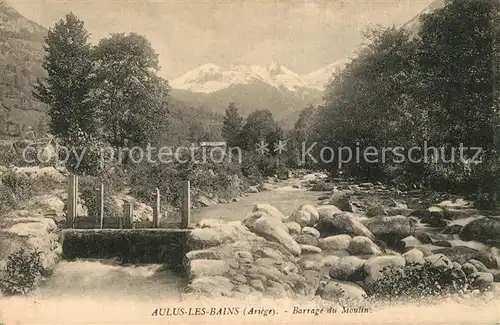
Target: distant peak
[(275, 68), (209, 66)]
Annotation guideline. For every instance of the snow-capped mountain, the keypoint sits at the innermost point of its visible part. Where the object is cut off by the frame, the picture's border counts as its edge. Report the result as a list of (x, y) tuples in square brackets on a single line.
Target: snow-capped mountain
[(210, 78)]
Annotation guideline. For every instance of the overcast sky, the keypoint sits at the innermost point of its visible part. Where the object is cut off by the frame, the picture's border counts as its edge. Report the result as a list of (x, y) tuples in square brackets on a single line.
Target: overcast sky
[(301, 35)]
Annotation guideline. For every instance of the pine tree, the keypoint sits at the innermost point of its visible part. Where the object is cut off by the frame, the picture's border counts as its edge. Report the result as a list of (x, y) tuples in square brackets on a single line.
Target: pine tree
[(232, 125)]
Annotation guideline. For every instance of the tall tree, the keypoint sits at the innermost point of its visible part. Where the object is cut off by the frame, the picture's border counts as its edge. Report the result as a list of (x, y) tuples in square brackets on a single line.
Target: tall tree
[(459, 59), (231, 125), (130, 97), (258, 127), (67, 88)]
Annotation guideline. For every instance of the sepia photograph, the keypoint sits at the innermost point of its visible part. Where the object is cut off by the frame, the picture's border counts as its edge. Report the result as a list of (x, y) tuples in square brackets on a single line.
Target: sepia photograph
[(249, 162)]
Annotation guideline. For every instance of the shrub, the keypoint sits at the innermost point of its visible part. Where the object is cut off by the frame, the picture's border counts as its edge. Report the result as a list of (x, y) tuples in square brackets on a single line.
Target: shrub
[(24, 188), (416, 281), (8, 200), (21, 273)]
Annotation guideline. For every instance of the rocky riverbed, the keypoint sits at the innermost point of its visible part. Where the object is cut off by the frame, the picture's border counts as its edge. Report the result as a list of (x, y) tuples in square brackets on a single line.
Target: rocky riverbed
[(336, 247)]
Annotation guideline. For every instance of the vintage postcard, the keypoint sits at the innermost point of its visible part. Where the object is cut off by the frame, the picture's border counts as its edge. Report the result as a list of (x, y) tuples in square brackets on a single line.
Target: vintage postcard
[(249, 162)]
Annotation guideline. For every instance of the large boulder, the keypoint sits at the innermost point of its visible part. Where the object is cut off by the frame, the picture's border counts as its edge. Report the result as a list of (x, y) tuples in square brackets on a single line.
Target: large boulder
[(390, 229), (31, 233), (211, 232), (360, 245), (440, 262), (311, 209), (306, 215), (347, 268), (303, 218), (374, 266), (269, 210), (327, 211), (272, 229), (462, 254), (343, 223), (340, 200), (484, 230)]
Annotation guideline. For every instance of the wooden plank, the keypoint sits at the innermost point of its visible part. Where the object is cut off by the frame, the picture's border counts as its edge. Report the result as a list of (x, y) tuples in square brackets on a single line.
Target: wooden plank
[(127, 215), (186, 205), (71, 201), (101, 205), (156, 209)]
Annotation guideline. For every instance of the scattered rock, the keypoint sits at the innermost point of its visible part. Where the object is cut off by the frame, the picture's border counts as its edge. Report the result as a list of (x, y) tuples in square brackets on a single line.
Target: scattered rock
[(414, 256), (483, 230), (338, 242), (478, 265), (442, 243), (346, 268), (306, 240), (374, 266), (361, 245), (309, 249), (269, 210), (327, 211), (311, 262), (462, 254), (311, 231), (271, 228), (452, 230), (468, 268), (375, 211), (303, 218), (294, 228), (390, 229), (342, 223), (482, 280), (440, 261), (341, 200)]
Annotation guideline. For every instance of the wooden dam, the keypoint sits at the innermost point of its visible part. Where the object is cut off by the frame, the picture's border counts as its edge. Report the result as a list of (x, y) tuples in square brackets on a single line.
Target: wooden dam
[(122, 238)]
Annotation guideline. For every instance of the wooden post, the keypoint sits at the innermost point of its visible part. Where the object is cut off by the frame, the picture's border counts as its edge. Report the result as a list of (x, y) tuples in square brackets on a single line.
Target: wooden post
[(156, 209), (101, 205), (186, 205), (127, 215), (72, 201)]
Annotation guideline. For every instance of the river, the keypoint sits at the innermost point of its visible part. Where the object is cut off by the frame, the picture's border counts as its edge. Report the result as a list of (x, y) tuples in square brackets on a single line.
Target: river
[(102, 292)]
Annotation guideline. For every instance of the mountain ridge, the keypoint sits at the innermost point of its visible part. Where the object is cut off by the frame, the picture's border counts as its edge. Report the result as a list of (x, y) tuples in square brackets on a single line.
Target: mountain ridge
[(210, 77)]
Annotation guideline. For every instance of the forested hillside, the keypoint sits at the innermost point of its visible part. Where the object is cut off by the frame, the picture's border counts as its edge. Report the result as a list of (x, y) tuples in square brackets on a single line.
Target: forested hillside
[(21, 54)]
